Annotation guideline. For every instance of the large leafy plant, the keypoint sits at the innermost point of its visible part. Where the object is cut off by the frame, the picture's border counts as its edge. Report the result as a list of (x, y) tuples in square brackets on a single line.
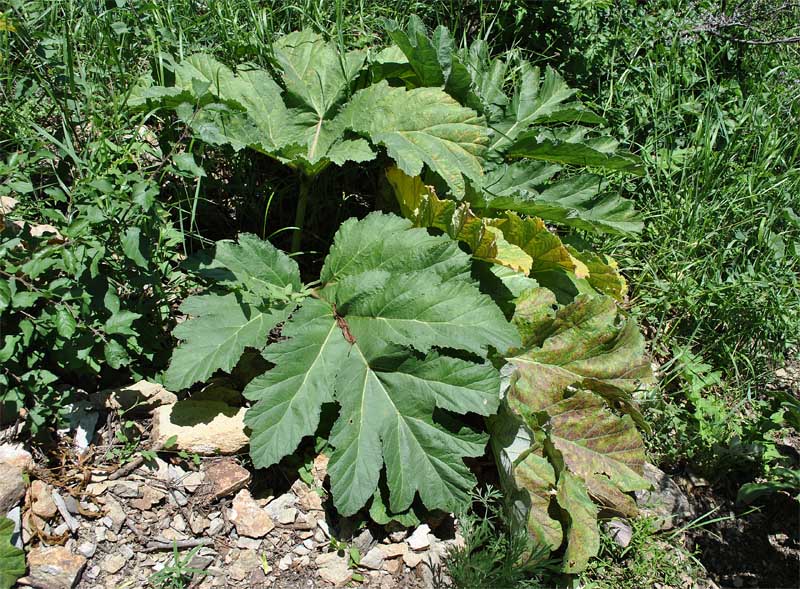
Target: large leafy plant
[(396, 333), (310, 115)]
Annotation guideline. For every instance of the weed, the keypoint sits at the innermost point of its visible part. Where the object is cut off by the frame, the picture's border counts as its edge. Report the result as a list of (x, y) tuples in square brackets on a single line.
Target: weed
[(178, 573)]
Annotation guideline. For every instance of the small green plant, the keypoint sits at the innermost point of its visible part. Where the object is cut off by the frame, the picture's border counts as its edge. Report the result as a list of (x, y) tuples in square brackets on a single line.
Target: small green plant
[(179, 573), (12, 559), (495, 552), (649, 558)]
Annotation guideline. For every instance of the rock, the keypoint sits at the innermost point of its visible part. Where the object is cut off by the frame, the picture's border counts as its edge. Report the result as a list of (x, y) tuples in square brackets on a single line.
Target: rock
[(620, 531), (248, 543), (285, 562), (319, 470), (150, 497), (324, 527), (666, 502), (82, 423), (201, 427), (419, 539), (364, 541), (115, 514), (305, 522), (287, 516), (394, 566), (412, 559), (15, 515), (42, 503), (135, 399), (398, 536), (250, 520), (215, 527), (198, 524), (247, 562), (193, 481), (178, 523), (225, 477), (16, 456), (393, 550), (87, 549), (7, 205), (113, 563), (279, 504), (12, 487), (310, 501), (126, 489), (54, 567), (373, 559), (333, 569)]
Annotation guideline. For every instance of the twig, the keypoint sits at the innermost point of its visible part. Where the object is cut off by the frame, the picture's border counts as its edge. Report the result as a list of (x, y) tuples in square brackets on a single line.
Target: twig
[(157, 545), (133, 464)]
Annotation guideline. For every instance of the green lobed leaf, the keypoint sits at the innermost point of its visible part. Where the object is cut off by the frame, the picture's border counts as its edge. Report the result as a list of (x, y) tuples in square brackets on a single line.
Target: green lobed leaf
[(387, 289), (423, 126), (583, 533), (12, 559)]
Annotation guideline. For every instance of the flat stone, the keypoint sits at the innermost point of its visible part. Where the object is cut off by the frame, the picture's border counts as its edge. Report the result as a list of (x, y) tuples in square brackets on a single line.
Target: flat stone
[(287, 516), (310, 501), (215, 527), (113, 563), (115, 514), (87, 549), (247, 562), (393, 550), (275, 507), (419, 539), (250, 520), (665, 502), (373, 559), (620, 531), (285, 562), (412, 559), (136, 399), (42, 503), (333, 569), (193, 481), (54, 567), (305, 522), (394, 566), (201, 427), (199, 524), (364, 541), (12, 487), (248, 543), (126, 489), (226, 477), (150, 497)]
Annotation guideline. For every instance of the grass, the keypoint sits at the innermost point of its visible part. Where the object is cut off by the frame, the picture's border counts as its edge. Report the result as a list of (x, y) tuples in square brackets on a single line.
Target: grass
[(714, 276)]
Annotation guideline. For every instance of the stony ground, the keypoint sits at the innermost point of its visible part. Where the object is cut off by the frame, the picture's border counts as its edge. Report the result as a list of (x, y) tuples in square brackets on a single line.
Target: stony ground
[(93, 520)]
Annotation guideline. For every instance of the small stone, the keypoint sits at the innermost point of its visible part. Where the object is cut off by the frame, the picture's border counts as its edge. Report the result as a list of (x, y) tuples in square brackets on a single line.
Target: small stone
[(178, 523), (305, 522), (419, 539), (93, 572), (287, 516), (149, 498), (394, 566), (71, 504), (193, 481), (373, 559), (178, 498), (225, 477), (54, 567), (620, 531), (15, 456), (87, 549), (198, 524), (100, 533), (115, 514), (323, 525), (96, 489), (135, 399), (247, 562), (333, 569), (280, 504), (364, 541), (215, 527), (126, 552), (666, 502), (248, 543), (393, 550), (319, 470), (251, 520), (309, 543), (60, 529), (12, 487), (300, 550), (171, 534), (42, 503), (398, 536), (412, 559), (201, 427), (285, 563), (113, 563), (311, 501), (126, 489)]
